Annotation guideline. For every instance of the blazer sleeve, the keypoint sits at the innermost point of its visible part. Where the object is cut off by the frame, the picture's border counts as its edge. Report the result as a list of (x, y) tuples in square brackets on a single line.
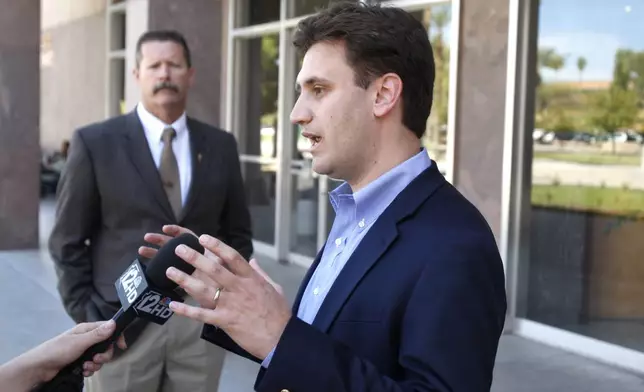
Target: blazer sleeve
[(77, 217), (448, 338), (236, 220), (219, 338)]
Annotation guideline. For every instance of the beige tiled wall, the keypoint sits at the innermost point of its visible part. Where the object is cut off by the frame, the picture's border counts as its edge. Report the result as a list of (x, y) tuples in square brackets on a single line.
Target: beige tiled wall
[(61, 12), (201, 22), (73, 77)]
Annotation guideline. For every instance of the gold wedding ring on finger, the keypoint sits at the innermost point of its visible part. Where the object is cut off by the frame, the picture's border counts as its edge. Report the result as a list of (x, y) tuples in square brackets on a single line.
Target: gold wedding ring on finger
[(216, 297)]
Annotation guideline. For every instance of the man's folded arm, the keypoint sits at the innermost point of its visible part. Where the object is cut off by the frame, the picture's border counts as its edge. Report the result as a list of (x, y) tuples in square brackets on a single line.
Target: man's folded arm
[(77, 216), (448, 339)]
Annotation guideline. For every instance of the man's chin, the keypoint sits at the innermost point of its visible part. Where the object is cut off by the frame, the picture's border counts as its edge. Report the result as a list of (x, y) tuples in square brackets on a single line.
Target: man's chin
[(320, 167)]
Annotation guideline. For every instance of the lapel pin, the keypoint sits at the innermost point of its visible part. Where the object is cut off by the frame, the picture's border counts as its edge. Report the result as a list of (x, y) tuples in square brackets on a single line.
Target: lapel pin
[(199, 158)]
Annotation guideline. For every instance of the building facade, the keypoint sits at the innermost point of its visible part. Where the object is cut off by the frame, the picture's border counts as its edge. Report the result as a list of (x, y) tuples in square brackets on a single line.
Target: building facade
[(536, 120)]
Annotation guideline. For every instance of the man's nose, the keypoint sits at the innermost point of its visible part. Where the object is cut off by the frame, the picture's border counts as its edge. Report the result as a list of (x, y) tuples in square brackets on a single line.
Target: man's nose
[(300, 114), (164, 71)]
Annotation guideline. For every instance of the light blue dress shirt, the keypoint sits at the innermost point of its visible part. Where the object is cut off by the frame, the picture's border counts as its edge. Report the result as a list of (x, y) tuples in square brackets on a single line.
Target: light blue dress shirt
[(355, 214)]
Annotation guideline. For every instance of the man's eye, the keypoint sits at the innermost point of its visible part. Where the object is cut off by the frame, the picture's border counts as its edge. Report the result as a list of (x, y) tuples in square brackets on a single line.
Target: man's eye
[(317, 90)]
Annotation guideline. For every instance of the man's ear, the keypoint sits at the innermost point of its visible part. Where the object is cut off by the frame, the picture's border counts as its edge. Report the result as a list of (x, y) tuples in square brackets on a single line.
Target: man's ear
[(388, 90), (191, 76)]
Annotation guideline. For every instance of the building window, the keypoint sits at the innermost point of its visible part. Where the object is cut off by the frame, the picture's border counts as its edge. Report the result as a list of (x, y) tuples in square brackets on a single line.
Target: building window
[(256, 12), (256, 126), (583, 271), (116, 34)]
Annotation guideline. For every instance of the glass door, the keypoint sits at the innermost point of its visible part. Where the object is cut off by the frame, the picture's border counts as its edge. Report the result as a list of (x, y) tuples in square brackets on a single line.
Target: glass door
[(256, 129), (306, 190), (307, 195)]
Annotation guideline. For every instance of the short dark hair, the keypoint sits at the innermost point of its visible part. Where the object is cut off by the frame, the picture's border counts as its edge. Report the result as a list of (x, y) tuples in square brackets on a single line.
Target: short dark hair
[(379, 39), (163, 35)]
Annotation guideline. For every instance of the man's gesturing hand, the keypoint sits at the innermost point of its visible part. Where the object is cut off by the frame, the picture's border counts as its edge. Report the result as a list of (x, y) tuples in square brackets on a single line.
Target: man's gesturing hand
[(170, 231), (251, 308), (204, 290)]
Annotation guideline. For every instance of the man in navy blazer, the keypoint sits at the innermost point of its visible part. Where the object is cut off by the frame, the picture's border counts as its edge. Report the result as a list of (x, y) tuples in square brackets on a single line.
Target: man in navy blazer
[(408, 293)]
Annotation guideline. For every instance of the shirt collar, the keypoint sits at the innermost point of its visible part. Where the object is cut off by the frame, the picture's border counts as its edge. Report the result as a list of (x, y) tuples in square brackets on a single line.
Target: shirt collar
[(154, 126), (374, 198)]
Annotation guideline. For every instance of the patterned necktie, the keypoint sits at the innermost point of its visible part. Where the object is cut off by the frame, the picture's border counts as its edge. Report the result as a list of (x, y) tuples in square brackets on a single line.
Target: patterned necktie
[(169, 170)]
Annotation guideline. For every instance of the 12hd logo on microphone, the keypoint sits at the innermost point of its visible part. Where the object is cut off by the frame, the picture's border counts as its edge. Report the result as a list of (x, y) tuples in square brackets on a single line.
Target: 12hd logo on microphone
[(138, 295), (154, 304), (130, 281)]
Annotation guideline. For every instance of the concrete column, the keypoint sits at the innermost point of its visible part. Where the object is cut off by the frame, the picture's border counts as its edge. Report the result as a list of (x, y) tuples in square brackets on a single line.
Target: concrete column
[(480, 112), (19, 123), (201, 22)]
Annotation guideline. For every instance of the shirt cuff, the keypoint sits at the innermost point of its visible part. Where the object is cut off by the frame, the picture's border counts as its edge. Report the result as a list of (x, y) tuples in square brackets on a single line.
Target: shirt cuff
[(268, 358)]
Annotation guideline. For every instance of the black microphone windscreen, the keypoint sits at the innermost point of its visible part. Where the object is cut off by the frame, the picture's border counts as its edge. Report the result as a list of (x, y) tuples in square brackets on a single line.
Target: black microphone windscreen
[(166, 257)]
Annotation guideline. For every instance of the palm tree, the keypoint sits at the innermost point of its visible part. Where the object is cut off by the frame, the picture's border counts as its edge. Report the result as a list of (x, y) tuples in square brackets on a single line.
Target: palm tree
[(546, 58), (549, 58), (557, 63), (581, 65)]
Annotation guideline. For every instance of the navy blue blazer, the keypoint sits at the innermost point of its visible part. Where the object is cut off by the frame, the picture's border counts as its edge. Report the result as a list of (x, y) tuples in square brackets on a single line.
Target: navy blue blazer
[(419, 306)]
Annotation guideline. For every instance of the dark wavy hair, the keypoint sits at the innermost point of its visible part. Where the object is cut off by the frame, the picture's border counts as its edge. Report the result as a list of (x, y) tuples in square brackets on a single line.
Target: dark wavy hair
[(378, 40)]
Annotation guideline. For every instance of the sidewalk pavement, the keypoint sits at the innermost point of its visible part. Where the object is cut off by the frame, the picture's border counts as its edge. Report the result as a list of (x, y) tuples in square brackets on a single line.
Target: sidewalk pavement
[(33, 313)]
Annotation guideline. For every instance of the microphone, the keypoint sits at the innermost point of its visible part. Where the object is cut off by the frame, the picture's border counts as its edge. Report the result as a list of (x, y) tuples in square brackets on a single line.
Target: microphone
[(143, 293)]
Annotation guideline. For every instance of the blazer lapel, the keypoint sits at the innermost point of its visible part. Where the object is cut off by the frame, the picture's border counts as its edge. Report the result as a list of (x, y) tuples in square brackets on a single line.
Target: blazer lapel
[(375, 243), (201, 154), (139, 152)]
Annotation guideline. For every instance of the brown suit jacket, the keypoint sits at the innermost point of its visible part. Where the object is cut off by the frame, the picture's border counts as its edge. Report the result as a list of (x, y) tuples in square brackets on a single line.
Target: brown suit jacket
[(110, 194)]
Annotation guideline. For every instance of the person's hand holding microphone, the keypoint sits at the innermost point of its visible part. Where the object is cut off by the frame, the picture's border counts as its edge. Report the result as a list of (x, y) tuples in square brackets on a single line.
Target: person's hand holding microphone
[(61, 350), (43, 362)]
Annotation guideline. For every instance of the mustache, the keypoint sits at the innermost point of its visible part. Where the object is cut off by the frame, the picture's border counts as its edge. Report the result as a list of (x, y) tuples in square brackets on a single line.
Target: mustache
[(165, 85)]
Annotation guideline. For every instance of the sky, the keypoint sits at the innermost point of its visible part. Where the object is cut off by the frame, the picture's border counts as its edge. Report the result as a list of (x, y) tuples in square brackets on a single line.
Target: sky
[(594, 29)]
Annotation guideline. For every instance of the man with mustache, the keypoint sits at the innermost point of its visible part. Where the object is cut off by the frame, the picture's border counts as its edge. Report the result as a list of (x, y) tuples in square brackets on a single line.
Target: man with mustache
[(134, 174)]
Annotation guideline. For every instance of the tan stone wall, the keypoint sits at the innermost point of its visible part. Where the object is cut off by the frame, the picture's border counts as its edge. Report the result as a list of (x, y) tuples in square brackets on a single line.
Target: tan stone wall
[(73, 77), (62, 12)]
